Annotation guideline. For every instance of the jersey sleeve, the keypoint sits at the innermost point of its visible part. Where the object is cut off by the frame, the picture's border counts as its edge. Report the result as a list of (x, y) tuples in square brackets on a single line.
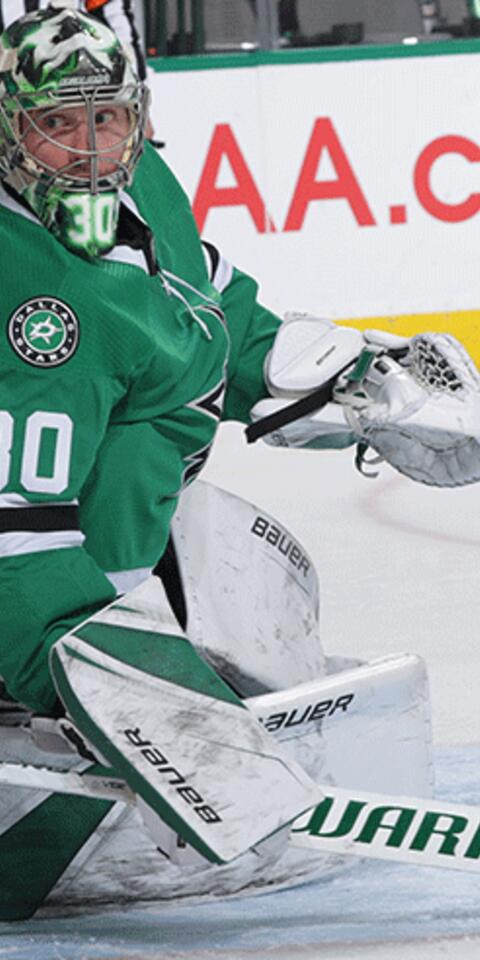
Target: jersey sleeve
[(252, 329)]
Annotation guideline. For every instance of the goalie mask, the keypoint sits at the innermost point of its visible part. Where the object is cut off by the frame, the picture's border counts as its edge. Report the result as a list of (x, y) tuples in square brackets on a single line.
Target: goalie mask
[(72, 119)]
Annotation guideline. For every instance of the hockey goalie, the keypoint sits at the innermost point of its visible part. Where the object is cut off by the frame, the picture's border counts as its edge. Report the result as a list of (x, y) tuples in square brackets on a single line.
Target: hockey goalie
[(176, 731), (245, 594)]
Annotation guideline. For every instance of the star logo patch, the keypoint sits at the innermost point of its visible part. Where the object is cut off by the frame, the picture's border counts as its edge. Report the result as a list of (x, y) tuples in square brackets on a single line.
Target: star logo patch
[(44, 332)]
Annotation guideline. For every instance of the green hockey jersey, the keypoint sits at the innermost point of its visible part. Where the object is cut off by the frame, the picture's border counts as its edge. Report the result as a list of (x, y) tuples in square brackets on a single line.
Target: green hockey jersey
[(115, 374)]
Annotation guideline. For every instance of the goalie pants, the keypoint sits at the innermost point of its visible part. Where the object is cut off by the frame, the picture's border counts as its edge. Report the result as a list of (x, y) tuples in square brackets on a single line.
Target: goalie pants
[(63, 588), (65, 580)]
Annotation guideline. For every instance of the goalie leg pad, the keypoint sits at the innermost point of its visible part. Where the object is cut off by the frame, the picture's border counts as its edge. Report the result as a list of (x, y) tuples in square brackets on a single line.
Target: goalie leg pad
[(179, 736)]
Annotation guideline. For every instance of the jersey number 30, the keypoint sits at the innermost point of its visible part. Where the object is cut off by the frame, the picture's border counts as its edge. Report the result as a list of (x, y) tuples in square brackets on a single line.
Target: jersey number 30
[(45, 459)]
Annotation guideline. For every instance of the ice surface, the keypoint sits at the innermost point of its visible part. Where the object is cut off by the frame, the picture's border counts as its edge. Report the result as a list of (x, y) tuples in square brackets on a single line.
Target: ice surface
[(399, 571), (375, 903)]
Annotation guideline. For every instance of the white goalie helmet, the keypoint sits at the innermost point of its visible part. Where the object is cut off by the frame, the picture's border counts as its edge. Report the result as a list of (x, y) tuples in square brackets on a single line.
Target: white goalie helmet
[(60, 60)]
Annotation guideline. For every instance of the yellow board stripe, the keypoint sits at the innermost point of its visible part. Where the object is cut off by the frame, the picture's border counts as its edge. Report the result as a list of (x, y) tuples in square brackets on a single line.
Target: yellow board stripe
[(463, 324)]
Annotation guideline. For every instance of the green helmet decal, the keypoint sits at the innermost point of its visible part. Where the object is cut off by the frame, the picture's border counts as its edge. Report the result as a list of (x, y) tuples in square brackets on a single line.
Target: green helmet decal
[(56, 48), (83, 222), (60, 59)]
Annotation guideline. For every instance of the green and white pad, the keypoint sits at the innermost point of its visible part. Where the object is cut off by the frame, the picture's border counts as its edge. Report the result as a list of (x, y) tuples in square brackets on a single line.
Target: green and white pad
[(180, 737)]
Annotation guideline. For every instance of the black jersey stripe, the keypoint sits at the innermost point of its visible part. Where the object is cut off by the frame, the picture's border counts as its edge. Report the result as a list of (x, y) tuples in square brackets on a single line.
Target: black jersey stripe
[(39, 519), (213, 256), (168, 570)]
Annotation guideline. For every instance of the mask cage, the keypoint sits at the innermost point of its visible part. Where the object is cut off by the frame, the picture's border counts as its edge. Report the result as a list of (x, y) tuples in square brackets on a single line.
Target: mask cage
[(17, 120)]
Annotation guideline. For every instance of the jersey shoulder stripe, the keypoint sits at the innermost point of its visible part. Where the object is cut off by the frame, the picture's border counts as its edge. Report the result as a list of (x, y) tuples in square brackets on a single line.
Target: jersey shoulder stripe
[(220, 270)]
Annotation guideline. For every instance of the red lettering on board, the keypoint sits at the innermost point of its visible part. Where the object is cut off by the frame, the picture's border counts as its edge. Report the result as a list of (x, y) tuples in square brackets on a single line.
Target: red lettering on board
[(449, 212), (345, 186), (244, 194)]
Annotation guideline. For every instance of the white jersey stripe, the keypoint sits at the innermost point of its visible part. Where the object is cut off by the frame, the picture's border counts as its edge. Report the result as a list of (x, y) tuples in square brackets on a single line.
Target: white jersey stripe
[(14, 544), (223, 274), (220, 270), (15, 500), (125, 580)]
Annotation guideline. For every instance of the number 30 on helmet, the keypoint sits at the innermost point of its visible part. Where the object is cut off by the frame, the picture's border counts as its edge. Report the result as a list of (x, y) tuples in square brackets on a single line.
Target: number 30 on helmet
[(72, 121)]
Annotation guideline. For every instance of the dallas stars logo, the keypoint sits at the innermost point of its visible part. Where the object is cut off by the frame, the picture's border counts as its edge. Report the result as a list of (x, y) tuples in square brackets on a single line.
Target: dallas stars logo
[(44, 332)]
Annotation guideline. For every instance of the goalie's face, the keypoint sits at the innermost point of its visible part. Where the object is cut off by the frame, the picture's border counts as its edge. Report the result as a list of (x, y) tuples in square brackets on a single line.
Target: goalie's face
[(72, 118), (79, 144)]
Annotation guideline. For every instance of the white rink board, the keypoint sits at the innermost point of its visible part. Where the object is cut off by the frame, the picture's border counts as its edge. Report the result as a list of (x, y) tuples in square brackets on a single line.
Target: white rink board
[(384, 114)]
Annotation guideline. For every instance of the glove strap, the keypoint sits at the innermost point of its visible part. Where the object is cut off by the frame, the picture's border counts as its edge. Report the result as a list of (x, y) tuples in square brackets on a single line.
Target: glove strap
[(313, 401)]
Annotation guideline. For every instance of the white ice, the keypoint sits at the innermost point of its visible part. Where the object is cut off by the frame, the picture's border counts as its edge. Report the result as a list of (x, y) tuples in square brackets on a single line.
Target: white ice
[(399, 571)]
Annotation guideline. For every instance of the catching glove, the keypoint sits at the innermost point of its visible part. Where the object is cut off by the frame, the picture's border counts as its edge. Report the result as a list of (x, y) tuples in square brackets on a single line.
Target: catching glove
[(422, 418), (415, 402)]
